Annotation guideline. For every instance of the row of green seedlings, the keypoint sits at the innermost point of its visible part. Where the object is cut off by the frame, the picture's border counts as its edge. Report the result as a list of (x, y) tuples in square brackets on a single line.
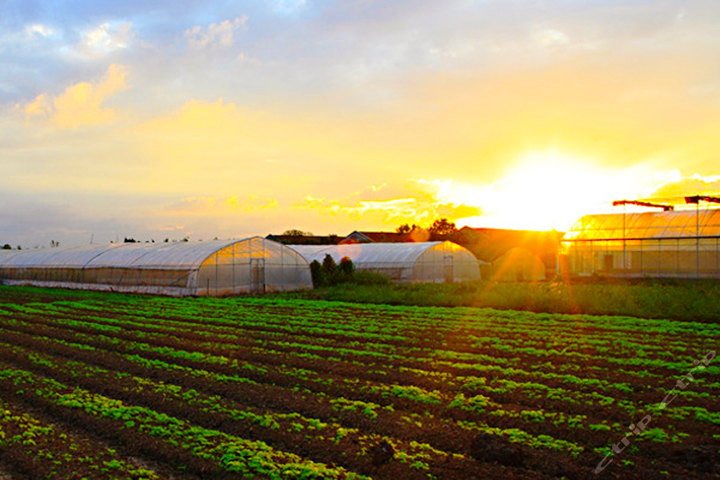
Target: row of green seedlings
[(328, 350), (534, 414), (178, 443), (212, 411), (507, 346), (412, 393), (36, 449), (484, 362), (430, 431)]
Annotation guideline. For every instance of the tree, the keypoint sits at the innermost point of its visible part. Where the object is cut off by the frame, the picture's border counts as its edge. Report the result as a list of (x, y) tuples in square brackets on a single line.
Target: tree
[(346, 270), (329, 266), (294, 232), (317, 273), (403, 228), (442, 227), (7, 247), (54, 244)]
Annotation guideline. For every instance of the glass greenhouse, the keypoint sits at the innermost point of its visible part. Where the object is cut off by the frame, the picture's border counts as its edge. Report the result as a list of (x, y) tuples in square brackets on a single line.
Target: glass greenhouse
[(403, 262), (683, 244), (215, 268)]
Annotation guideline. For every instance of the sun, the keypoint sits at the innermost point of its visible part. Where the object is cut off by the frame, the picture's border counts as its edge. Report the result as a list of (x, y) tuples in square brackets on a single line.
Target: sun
[(550, 190)]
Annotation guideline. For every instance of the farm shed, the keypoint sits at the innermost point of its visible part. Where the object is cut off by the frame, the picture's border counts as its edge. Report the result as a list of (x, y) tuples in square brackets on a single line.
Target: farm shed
[(679, 244), (518, 264), (215, 268), (402, 262)]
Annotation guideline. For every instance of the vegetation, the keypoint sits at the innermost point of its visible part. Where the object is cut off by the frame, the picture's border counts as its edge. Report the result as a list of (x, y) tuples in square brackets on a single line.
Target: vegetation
[(680, 300), (329, 274), (100, 385)]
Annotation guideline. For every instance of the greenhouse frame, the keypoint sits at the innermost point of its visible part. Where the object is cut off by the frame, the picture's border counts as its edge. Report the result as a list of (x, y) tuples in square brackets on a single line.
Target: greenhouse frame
[(426, 262), (213, 268), (672, 244)]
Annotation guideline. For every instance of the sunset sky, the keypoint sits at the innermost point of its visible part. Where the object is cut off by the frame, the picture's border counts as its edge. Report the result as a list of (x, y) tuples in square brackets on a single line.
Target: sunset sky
[(165, 119)]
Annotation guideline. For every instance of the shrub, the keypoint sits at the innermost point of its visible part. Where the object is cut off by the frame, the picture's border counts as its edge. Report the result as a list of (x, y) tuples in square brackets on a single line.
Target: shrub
[(318, 274), (370, 278)]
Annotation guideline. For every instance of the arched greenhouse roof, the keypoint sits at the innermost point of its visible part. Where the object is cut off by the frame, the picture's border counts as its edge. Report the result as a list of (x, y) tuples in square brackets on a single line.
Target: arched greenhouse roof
[(171, 255), (406, 253), (218, 267), (648, 225)]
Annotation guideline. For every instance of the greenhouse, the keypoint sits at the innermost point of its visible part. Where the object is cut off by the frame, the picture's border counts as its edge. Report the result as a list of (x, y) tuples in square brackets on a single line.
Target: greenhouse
[(680, 244), (402, 262), (215, 268)]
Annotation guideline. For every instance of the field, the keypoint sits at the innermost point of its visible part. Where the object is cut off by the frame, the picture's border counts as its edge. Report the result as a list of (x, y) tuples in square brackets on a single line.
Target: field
[(123, 386), (647, 298)]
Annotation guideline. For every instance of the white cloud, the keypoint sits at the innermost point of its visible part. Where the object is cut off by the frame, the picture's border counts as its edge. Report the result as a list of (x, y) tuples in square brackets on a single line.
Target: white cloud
[(107, 37), (551, 38), (220, 34), (39, 29)]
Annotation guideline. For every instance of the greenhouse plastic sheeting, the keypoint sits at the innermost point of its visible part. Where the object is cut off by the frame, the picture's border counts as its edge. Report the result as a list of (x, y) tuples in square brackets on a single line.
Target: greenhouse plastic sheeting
[(218, 267), (670, 224), (682, 244), (402, 262)]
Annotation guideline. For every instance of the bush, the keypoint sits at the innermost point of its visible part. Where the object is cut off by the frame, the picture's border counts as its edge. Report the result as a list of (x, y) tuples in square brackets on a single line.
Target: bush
[(329, 274), (345, 270), (370, 278), (318, 274)]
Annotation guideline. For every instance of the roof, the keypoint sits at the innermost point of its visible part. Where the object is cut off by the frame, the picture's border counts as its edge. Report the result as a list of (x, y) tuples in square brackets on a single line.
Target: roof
[(367, 252), (305, 239), (379, 237), (671, 224), (171, 255)]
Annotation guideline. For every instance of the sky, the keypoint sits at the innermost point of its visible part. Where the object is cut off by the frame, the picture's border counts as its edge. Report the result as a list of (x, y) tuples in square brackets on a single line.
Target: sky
[(161, 119)]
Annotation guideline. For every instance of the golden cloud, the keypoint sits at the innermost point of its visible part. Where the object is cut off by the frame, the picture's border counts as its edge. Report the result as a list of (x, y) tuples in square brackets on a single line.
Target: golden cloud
[(214, 205), (81, 104)]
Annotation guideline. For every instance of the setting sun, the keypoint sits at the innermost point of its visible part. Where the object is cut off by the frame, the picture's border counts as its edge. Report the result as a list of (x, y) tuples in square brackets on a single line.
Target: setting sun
[(549, 190)]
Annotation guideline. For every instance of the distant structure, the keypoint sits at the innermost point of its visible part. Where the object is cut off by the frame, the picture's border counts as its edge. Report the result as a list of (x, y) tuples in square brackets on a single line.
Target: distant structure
[(503, 254), (512, 255), (402, 262), (305, 239), (672, 244), (214, 268), (385, 237)]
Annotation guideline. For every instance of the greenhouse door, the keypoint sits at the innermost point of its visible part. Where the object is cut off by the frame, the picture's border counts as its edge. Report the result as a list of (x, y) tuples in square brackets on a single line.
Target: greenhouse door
[(257, 275), (448, 268)]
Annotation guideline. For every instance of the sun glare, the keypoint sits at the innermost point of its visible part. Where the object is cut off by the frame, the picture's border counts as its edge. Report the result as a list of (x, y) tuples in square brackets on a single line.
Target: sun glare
[(549, 190)]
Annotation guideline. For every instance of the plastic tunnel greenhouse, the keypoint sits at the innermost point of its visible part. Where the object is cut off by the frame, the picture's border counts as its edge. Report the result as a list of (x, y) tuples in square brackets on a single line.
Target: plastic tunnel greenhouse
[(681, 244), (215, 268), (402, 262)]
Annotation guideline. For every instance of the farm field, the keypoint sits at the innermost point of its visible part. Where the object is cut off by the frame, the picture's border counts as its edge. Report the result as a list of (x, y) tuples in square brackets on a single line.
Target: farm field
[(98, 385)]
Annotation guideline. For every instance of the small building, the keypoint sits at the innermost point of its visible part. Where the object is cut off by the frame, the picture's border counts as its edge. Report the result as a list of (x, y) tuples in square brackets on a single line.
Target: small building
[(677, 244), (518, 265), (402, 262), (213, 268)]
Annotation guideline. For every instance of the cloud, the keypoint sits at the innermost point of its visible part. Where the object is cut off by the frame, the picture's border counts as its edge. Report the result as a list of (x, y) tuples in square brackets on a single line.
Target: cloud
[(216, 34), (379, 205), (39, 107), (38, 29), (216, 205), (107, 37), (677, 188), (81, 104), (551, 38)]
